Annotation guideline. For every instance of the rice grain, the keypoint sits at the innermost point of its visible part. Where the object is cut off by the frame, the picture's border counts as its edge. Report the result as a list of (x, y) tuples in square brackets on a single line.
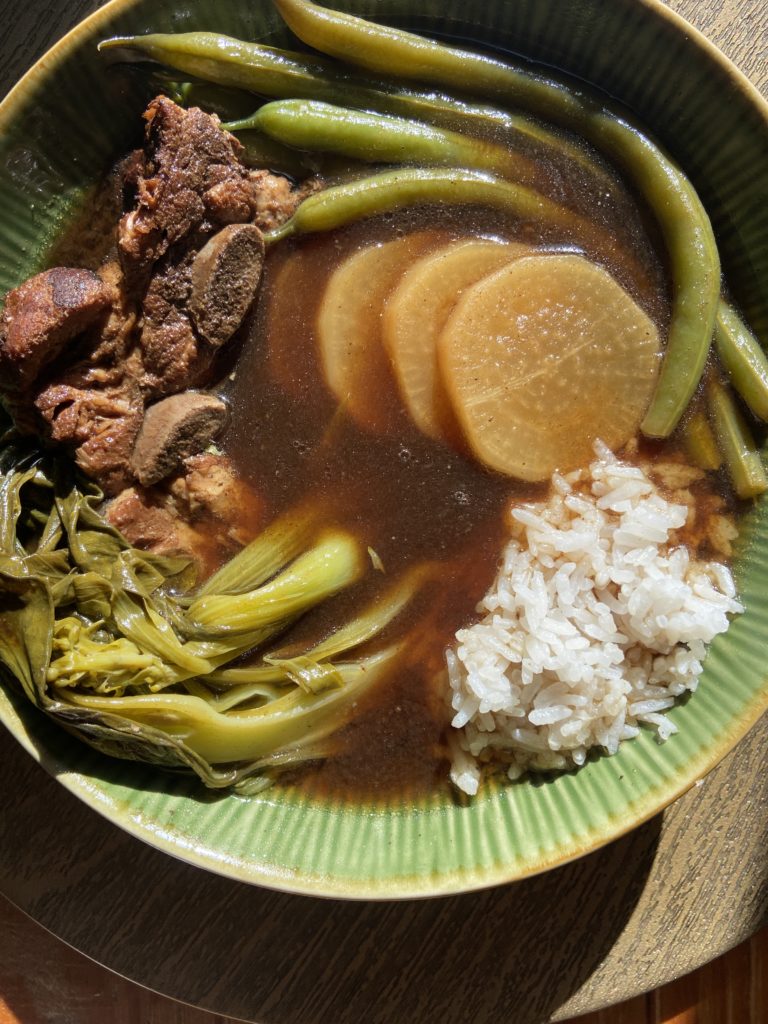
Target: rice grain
[(595, 624)]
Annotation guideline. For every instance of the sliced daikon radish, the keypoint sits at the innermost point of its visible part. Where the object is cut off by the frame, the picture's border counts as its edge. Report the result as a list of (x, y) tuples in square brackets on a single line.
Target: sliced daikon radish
[(353, 358), (541, 358), (414, 316)]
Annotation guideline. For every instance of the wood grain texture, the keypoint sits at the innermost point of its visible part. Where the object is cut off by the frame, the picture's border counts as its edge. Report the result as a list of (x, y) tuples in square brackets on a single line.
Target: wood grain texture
[(738, 27), (649, 908), (645, 909), (42, 981)]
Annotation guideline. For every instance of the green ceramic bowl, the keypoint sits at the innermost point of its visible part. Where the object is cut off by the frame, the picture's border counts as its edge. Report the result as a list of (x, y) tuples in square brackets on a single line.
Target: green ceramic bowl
[(71, 115)]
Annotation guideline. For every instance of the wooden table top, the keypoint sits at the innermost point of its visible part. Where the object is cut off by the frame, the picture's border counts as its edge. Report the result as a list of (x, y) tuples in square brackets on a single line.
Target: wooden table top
[(43, 981), (681, 890)]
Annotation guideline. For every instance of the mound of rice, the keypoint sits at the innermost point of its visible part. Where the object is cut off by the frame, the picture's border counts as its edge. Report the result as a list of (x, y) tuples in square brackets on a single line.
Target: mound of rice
[(595, 623)]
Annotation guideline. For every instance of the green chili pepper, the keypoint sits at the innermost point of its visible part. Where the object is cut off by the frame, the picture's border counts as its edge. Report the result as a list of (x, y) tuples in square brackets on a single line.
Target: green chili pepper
[(743, 359), (742, 459), (379, 138), (682, 218)]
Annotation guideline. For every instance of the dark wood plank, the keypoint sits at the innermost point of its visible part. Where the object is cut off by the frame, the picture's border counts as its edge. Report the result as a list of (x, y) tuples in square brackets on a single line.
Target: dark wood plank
[(649, 907), (25, 39), (43, 981), (758, 987)]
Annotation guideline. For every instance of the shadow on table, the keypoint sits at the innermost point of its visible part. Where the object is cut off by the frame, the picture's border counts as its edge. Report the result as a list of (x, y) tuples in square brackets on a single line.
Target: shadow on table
[(514, 953)]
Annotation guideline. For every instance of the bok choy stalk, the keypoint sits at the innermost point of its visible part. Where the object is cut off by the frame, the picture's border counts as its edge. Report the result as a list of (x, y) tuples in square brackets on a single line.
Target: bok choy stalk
[(331, 565), (313, 670), (96, 635), (296, 718)]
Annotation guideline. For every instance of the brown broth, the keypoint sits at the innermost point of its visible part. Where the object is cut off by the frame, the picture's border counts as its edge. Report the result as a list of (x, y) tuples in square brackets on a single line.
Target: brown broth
[(409, 498)]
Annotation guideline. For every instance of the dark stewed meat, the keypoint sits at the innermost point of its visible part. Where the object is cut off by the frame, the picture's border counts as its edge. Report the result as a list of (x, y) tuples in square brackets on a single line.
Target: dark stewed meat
[(204, 511), (173, 429), (187, 154), (102, 362), (97, 411), (195, 219), (197, 298), (41, 316), (224, 277)]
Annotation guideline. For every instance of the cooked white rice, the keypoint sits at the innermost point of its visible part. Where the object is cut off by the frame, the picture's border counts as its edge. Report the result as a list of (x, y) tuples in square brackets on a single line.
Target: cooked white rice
[(595, 623)]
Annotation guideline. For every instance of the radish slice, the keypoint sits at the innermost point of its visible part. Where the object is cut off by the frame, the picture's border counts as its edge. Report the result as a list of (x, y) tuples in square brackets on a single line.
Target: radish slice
[(414, 316), (542, 358), (355, 364)]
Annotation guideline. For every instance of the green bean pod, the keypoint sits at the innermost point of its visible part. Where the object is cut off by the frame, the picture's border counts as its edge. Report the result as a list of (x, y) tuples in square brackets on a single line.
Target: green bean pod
[(392, 51), (743, 359), (272, 72), (700, 442), (394, 190), (283, 74), (694, 266), (742, 459), (380, 138), (681, 216)]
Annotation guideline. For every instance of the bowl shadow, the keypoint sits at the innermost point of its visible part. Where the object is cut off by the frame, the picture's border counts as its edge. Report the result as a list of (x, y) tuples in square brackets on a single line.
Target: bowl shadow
[(513, 952)]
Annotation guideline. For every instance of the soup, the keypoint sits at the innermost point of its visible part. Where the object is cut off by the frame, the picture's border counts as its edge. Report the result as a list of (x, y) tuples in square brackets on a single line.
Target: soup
[(366, 481)]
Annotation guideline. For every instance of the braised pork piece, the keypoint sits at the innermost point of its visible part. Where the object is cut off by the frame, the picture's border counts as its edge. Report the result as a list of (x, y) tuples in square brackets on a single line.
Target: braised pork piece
[(103, 363)]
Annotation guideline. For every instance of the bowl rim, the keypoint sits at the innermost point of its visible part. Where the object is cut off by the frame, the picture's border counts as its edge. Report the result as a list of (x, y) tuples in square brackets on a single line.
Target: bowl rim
[(56, 53), (403, 888)]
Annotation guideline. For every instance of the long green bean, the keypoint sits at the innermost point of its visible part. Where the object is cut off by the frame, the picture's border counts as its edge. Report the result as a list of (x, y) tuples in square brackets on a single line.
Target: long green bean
[(694, 266), (268, 71), (381, 138), (393, 190), (272, 72), (681, 216), (742, 459), (743, 359), (394, 52), (700, 443)]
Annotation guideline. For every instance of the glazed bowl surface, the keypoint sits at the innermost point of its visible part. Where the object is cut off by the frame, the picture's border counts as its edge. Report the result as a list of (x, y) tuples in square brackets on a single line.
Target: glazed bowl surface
[(73, 114)]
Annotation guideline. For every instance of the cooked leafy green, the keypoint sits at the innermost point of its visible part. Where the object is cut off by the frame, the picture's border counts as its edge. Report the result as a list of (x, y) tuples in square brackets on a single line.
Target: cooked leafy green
[(111, 642)]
